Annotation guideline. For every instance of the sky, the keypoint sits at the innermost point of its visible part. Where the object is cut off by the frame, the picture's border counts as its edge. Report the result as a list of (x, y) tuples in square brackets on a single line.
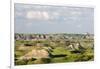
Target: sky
[(34, 18)]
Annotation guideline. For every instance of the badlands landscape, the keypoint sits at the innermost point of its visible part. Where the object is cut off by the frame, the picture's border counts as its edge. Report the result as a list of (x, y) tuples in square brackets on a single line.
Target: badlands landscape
[(53, 48)]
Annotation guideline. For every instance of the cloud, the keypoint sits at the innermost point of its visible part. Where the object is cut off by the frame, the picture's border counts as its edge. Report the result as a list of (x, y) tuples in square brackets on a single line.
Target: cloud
[(54, 15), (38, 15), (18, 13), (76, 13), (42, 15), (29, 24), (79, 26), (38, 18)]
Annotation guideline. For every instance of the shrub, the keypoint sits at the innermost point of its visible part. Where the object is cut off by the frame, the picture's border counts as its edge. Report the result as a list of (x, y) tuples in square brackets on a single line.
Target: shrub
[(21, 62)]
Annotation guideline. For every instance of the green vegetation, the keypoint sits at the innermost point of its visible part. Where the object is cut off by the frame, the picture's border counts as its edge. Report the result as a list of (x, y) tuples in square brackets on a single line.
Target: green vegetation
[(55, 49)]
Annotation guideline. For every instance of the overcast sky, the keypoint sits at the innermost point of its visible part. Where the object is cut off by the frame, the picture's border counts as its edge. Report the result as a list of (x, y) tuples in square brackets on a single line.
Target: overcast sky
[(52, 19)]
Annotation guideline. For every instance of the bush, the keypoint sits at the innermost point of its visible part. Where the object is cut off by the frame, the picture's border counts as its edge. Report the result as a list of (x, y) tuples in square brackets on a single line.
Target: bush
[(21, 62), (42, 61), (39, 61), (46, 60)]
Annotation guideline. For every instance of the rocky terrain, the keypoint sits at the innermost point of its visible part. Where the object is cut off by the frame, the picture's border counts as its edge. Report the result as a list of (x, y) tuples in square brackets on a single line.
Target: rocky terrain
[(53, 48)]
